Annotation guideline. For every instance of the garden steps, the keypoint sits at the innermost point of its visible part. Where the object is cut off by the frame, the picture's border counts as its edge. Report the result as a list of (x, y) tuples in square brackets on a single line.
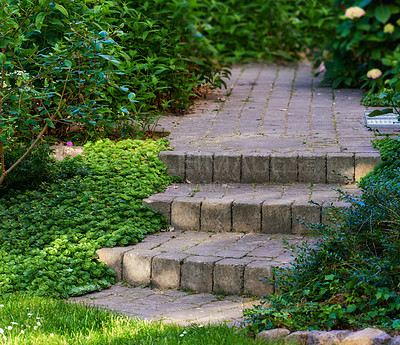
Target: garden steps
[(247, 208), (270, 150), (229, 263)]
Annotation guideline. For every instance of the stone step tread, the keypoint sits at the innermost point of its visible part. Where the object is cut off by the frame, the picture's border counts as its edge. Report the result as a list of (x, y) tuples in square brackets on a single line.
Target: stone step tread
[(231, 263), (225, 167), (247, 208)]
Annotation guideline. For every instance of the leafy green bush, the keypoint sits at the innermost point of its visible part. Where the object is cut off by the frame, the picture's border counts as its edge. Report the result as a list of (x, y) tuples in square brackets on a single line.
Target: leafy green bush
[(366, 38), (351, 278), (48, 236), (265, 29)]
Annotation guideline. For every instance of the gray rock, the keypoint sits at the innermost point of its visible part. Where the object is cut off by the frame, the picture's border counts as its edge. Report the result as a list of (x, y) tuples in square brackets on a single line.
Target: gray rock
[(395, 341), (341, 334), (368, 336), (299, 337), (273, 334), (322, 338)]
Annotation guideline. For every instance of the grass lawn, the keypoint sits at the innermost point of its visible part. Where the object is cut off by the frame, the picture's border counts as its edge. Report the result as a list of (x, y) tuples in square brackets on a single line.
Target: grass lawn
[(40, 320)]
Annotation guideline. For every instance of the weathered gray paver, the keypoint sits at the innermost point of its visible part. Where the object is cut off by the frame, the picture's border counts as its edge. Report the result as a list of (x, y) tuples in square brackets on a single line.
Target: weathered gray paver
[(169, 305)]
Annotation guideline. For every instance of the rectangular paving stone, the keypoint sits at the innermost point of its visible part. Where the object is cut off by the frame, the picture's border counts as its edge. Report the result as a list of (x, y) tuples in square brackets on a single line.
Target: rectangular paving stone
[(175, 162), (136, 266), (312, 168), (364, 163), (216, 215), (112, 257), (199, 167), (166, 270), (255, 168), (228, 276), (185, 213), (276, 217), (160, 203), (246, 215), (267, 251), (227, 167), (342, 163), (307, 212), (197, 273), (283, 168), (257, 276)]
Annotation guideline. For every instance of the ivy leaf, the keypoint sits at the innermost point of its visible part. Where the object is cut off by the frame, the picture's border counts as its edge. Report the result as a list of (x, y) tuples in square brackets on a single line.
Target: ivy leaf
[(382, 13), (131, 97)]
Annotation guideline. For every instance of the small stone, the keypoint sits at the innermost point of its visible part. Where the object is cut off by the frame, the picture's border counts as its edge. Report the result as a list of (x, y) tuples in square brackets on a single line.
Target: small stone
[(322, 338), (395, 341), (368, 336), (299, 337), (273, 334)]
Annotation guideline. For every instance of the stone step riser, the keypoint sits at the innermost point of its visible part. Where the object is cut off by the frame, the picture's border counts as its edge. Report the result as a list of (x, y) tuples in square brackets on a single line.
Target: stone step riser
[(268, 217), (195, 273), (275, 168)]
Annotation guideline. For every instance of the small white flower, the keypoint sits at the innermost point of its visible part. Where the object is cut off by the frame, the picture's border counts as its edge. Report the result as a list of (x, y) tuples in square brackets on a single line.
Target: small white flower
[(184, 332), (22, 331), (14, 323), (1, 330), (9, 328), (51, 335), (38, 323), (4, 337), (35, 328), (30, 314), (201, 325), (38, 318), (181, 335), (1, 305)]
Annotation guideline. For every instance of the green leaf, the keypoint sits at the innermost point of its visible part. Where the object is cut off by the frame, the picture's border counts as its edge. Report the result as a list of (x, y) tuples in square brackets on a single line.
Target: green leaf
[(68, 63), (378, 112), (131, 97), (382, 13), (61, 9), (49, 123), (329, 277), (40, 19), (351, 308)]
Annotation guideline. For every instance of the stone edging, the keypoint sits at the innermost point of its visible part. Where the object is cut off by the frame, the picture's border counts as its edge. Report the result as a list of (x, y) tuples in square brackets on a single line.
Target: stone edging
[(368, 336)]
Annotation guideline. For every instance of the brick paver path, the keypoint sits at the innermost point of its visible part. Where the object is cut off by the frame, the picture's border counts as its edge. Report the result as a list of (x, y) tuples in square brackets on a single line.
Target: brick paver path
[(256, 154)]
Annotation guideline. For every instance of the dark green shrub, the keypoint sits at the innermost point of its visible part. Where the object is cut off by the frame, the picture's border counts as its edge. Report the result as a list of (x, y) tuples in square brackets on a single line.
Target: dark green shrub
[(362, 43), (31, 172), (352, 278)]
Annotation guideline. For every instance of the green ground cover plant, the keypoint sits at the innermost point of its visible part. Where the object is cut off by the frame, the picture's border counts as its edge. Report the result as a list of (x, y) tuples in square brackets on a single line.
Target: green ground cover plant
[(49, 235), (48, 321), (351, 279)]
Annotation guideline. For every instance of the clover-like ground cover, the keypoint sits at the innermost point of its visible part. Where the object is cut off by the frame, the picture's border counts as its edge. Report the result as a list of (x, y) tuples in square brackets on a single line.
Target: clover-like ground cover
[(48, 236)]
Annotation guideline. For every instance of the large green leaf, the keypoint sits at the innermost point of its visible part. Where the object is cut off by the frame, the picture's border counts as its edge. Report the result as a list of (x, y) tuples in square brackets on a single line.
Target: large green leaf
[(382, 13)]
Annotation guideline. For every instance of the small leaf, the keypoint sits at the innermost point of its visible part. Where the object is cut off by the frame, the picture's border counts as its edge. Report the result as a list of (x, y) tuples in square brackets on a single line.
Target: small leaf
[(68, 63), (378, 112), (329, 277), (40, 18), (131, 97), (125, 111), (103, 33), (49, 123), (61, 9), (124, 88)]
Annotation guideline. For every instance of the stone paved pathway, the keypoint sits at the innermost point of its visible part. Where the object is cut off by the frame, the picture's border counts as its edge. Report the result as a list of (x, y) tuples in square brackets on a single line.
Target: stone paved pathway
[(174, 306), (269, 144)]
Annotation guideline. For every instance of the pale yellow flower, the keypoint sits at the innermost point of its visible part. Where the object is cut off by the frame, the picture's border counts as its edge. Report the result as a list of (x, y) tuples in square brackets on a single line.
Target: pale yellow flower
[(388, 28), (354, 12)]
